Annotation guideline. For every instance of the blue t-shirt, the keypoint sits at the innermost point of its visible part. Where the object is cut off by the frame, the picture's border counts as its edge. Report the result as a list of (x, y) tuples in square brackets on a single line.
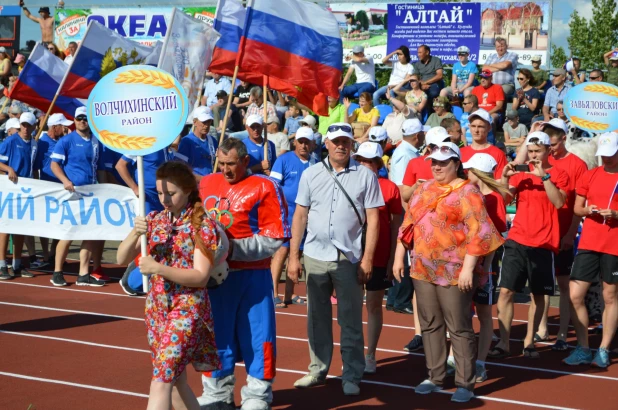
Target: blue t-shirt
[(465, 124), (19, 154), (287, 171), (292, 124), (256, 151), (152, 162), (200, 154), (110, 159), (43, 161), (463, 72), (80, 158)]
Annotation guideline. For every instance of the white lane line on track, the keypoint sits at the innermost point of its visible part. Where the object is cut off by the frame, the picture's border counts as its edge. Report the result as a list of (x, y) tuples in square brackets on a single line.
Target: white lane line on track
[(70, 311), (65, 383), (297, 339), (278, 312), (401, 386)]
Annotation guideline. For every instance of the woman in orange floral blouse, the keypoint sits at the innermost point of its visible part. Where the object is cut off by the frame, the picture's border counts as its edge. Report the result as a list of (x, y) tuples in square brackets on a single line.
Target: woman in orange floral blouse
[(182, 240), (449, 230)]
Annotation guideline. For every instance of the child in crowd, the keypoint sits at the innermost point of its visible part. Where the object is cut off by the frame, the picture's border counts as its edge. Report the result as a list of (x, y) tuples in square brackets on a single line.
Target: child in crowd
[(292, 123), (514, 133)]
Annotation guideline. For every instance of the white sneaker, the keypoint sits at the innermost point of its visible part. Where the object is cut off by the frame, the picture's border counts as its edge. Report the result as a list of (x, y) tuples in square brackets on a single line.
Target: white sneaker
[(370, 364), (308, 381)]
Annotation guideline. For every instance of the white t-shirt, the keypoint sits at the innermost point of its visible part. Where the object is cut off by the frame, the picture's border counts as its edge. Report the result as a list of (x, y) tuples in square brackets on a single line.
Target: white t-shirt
[(393, 124), (68, 59), (281, 142), (400, 71), (365, 72)]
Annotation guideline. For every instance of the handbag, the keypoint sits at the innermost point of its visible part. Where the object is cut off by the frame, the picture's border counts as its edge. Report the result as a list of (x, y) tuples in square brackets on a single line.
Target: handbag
[(360, 220)]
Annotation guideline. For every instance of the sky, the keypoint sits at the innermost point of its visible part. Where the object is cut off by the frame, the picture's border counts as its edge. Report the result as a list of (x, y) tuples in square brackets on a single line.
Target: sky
[(560, 21)]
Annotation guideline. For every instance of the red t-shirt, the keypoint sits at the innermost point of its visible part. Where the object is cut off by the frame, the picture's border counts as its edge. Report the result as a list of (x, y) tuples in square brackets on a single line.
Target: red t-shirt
[(597, 235), (392, 205), (488, 96), (575, 168), (496, 209), (536, 221), (417, 169), (497, 153)]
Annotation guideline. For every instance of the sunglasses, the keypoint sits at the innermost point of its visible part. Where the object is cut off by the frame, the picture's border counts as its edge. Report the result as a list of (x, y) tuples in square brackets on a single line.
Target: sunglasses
[(521, 78), (81, 118), (559, 109), (534, 141), (466, 103), (414, 81), (344, 128), (444, 150), (595, 78), (462, 54)]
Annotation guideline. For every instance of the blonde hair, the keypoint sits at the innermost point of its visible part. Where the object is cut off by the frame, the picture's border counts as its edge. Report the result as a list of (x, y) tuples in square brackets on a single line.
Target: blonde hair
[(488, 179)]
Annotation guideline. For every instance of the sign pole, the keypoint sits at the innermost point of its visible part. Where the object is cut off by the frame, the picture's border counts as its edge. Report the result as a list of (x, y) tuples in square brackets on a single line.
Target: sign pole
[(265, 99), (142, 211), (225, 117)]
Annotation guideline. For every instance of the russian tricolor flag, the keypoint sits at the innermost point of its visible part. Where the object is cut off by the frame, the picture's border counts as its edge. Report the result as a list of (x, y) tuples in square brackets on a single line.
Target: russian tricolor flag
[(102, 51), (39, 81), (296, 42)]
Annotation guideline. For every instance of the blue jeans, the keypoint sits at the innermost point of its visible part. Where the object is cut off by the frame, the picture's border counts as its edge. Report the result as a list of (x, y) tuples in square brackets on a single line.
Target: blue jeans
[(381, 92), (350, 90)]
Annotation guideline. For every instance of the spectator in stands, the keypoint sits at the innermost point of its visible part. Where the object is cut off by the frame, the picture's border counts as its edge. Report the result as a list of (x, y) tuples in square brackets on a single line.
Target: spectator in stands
[(333, 256), (291, 123), (394, 121), (453, 128), (556, 93), (464, 75), (416, 98), (390, 217), (597, 254), (365, 70), (611, 61), (53, 48), (20, 62), (258, 164), (281, 141), (560, 111), (402, 69), (429, 68), (441, 111), (364, 117), (533, 239), (526, 100), (515, 133), (480, 124), (213, 86), (256, 108), (541, 77), (70, 52), (218, 108), (408, 149), (444, 258), (490, 97), (336, 113), (596, 75), (576, 76), (242, 96), (5, 66), (503, 65)]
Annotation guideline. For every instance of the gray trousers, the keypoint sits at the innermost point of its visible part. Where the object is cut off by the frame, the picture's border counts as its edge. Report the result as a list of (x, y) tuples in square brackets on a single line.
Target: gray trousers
[(322, 277), (439, 308), (256, 395)]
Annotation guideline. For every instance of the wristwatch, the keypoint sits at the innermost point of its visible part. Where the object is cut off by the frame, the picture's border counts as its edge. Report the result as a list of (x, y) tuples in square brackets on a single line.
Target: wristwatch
[(545, 178)]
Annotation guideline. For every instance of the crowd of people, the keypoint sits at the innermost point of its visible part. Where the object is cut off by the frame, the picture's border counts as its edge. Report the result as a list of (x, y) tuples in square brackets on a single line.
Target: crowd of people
[(413, 205)]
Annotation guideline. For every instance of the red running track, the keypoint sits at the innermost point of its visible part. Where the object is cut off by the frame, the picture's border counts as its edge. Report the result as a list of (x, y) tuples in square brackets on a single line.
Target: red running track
[(85, 348)]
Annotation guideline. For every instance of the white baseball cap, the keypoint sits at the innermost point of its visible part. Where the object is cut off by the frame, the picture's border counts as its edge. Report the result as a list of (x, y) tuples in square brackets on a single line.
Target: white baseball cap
[(463, 49), (369, 150), (608, 144), (203, 113), (482, 114), (339, 129), (273, 118), (614, 56), (81, 111), (304, 132), (58, 119), (482, 162), (377, 134), (254, 119), (411, 126), (543, 139), (557, 123), (445, 151), (27, 117), (436, 135), (12, 123), (309, 120)]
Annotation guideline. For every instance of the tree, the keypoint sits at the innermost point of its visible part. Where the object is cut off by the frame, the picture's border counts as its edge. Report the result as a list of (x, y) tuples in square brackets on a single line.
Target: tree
[(361, 17), (558, 56)]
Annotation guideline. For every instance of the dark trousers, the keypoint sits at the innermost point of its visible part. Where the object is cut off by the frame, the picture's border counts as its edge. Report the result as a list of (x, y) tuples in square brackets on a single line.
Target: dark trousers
[(400, 295)]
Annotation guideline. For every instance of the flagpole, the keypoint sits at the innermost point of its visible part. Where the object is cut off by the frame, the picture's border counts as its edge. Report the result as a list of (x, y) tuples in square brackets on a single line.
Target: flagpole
[(199, 96), (225, 117), (265, 102), (51, 106), (6, 101)]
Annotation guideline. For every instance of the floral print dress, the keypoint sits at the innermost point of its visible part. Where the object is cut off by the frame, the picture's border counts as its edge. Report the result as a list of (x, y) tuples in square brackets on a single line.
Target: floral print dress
[(178, 318)]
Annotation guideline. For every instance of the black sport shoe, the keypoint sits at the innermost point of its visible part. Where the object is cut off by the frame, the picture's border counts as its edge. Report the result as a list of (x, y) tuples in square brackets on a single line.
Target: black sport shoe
[(124, 282), (23, 272), (4, 273), (88, 280), (415, 344), (58, 279)]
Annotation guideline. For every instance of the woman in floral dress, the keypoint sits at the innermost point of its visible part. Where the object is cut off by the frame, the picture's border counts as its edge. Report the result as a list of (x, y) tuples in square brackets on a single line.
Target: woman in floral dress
[(182, 240)]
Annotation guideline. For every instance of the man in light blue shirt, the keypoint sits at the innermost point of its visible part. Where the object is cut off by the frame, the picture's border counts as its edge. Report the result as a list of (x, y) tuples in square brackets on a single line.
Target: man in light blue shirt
[(413, 139), (217, 83)]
